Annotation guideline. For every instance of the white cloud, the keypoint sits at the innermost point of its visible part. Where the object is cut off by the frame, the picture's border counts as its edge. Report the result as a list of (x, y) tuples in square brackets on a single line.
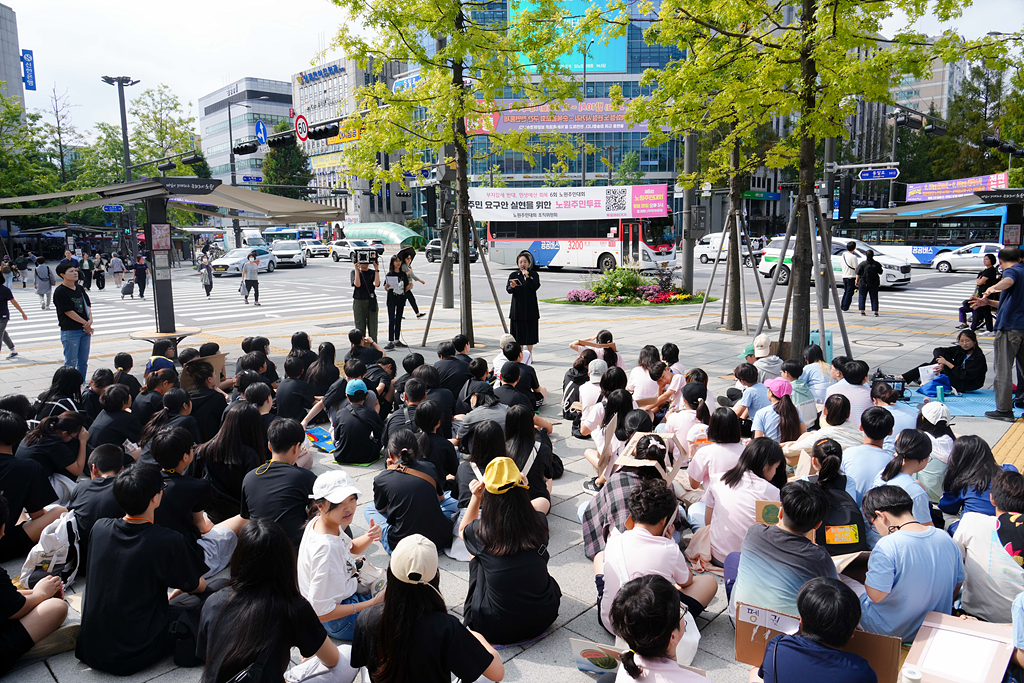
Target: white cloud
[(977, 20)]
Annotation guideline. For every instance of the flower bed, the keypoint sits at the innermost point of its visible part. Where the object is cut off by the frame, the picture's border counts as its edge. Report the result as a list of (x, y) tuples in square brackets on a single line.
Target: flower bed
[(628, 287)]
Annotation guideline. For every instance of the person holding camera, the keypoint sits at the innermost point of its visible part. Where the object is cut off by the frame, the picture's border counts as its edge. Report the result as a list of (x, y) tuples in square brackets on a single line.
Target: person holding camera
[(396, 282), (365, 281), (525, 314)]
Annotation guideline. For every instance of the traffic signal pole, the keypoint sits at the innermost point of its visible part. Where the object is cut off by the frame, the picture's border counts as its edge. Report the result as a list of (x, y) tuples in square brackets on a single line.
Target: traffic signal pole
[(689, 194)]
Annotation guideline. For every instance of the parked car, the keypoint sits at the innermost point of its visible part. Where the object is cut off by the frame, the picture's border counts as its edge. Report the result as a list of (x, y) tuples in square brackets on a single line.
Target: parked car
[(433, 252), (231, 263), (289, 252), (378, 246), (342, 249), (971, 257), (706, 249), (895, 271), (313, 248)]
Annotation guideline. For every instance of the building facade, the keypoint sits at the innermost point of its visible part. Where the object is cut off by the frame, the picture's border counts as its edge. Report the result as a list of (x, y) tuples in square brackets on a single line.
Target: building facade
[(10, 56), (935, 89)]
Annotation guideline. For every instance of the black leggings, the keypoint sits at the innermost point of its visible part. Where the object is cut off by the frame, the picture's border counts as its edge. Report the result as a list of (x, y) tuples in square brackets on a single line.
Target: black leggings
[(208, 288), (412, 302), (250, 286), (396, 304)]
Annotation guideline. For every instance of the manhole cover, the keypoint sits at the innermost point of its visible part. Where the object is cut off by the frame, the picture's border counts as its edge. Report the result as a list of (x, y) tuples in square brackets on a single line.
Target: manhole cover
[(878, 344)]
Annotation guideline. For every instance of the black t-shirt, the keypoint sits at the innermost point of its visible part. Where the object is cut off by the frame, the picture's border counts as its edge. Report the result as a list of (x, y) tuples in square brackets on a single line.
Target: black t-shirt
[(93, 500), (528, 383), (147, 405), (114, 428), (226, 481), (130, 381), (91, 405), (280, 492), (403, 418), (66, 299), (125, 616), (870, 273), (367, 354), (463, 476), (511, 598), (990, 276), (539, 472), (207, 407), (294, 398), (5, 296), (307, 357), (357, 434), (454, 373), (366, 288), (53, 454), (375, 376), (442, 456), (320, 384), (447, 401), (411, 505), (183, 496), (439, 647), (510, 396), (472, 386), (11, 601), (305, 632), (25, 485), (140, 271)]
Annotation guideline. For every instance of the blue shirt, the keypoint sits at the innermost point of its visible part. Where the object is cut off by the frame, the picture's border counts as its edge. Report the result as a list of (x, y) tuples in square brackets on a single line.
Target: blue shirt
[(816, 380), (919, 570), (801, 659), (1017, 615), (754, 398), (905, 418), (970, 500), (1010, 315), (767, 420), (861, 465)]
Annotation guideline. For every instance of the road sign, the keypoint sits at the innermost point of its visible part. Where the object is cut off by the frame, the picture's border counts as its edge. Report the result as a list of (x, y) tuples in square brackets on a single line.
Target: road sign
[(761, 194), (301, 127), (112, 208), (261, 132), (28, 65), (878, 174), (252, 179)]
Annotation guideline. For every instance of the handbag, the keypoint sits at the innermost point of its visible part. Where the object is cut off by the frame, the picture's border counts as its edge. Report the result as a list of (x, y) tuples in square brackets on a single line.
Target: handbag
[(371, 579), (932, 387)]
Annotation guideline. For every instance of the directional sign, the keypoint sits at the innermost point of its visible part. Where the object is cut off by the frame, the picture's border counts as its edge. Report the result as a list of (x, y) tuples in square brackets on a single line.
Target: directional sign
[(302, 127), (112, 208), (28, 65), (261, 132), (252, 179), (878, 174), (406, 83)]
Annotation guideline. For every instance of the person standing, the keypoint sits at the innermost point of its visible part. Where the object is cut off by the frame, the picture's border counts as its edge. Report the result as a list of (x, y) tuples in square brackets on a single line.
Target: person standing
[(397, 285), (407, 269), (869, 279), (101, 272), (86, 266), (525, 313), (5, 317), (206, 275), (117, 270), (251, 278), (365, 281), (45, 280), (74, 315), (1009, 340), (141, 269), (7, 269), (983, 316), (850, 263)]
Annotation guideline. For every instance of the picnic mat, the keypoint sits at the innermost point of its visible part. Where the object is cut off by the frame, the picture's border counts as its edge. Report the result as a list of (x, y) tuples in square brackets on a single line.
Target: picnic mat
[(970, 404), (323, 440)]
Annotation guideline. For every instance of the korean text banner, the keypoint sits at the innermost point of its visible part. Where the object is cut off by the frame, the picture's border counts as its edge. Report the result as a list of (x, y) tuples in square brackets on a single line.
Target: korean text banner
[(595, 115), (568, 203), (951, 189)]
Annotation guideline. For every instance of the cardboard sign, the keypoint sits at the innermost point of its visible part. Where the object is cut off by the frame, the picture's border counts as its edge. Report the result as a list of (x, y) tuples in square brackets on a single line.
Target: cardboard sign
[(629, 450), (844, 561), (596, 658), (755, 626), (218, 367), (767, 512), (952, 650), (596, 345)]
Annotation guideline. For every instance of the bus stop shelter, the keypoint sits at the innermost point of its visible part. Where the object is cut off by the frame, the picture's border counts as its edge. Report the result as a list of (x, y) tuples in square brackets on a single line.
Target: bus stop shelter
[(200, 195)]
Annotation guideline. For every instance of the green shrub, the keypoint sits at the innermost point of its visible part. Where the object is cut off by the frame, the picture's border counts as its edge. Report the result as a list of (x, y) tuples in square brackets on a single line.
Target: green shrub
[(618, 282)]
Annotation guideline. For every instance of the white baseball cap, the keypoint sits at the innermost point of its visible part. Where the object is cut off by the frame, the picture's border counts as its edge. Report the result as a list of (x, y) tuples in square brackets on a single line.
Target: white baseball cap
[(414, 560), (334, 487), (936, 412), (762, 346), (597, 368)]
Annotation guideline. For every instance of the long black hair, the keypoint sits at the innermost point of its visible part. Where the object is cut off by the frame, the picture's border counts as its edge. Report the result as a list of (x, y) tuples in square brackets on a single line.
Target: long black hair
[(323, 369), (488, 443), (645, 613), (243, 424), (265, 591), (68, 422), (427, 418), (404, 605), (971, 465), (614, 378), (695, 395), (789, 418), (837, 409), (830, 460), (619, 403), (939, 429), (519, 434), (759, 454), (509, 524), (66, 383), (174, 402), (300, 344), (911, 444), (610, 356)]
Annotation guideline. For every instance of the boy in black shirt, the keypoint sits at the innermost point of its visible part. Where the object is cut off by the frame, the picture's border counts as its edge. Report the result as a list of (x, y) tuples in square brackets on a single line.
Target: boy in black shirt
[(507, 393), (24, 483), (358, 429), (528, 383), (477, 383), (405, 417), (452, 371), (294, 397), (461, 344), (409, 364), (26, 617), (126, 617), (93, 500), (279, 490), (186, 498), (379, 377)]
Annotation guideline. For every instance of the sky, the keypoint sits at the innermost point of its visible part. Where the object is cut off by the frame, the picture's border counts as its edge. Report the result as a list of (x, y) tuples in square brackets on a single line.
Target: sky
[(197, 46)]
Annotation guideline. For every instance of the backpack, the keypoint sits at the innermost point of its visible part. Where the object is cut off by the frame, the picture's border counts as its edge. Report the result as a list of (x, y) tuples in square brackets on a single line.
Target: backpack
[(843, 530), (571, 394), (56, 553)]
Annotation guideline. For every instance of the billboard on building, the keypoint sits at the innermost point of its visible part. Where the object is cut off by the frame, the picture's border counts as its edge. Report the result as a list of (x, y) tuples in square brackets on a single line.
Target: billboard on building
[(568, 203), (961, 187), (597, 115), (601, 58)]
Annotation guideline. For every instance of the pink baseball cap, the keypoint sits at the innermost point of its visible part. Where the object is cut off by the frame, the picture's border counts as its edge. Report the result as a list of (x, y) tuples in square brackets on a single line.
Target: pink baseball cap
[(779, 387)]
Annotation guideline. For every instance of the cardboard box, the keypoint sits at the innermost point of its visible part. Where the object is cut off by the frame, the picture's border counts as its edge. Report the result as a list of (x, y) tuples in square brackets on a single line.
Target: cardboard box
[(767, 512), (629, 450), (755, 626), (948, 649), (218, 367)]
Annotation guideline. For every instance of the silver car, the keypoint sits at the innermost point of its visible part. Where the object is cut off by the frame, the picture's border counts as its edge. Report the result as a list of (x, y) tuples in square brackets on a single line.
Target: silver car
[(314, 248), (289, 253), (971, 257)]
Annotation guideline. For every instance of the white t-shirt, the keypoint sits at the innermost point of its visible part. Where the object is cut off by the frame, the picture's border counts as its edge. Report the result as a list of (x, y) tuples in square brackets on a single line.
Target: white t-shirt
[(593, 420), (680, 423), (638, 553), (641, 385), (659, 671), (327, 573), (735, 510), (993, 577), (712, 460), (590, 394), (859, 395), (850, 263), (500, 360)]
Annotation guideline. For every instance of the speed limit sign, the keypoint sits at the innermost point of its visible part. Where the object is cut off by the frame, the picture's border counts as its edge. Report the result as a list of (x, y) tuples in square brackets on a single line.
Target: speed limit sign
[(302, 127)]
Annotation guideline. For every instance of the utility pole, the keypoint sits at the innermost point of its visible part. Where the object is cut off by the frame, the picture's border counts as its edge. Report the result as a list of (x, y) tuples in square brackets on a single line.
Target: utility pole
[(611, 166), (583, 167), (689, 195), (826, 229), (236, 228), (121, 82)]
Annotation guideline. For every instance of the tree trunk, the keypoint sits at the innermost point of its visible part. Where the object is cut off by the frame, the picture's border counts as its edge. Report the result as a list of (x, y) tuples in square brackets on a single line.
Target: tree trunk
[(734, 319), (801, 270), (463, 219)]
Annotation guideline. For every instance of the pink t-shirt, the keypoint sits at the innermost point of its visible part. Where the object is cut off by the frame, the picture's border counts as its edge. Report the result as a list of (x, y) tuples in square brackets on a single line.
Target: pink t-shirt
[(680, 423), (734, 511), (713, 460), (590, 394), (601, 354), (638, 553), (641, 384), (859, 396)]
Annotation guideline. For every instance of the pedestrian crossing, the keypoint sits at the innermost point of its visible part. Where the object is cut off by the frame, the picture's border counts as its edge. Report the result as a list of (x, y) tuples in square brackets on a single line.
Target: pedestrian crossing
[(943, 301)]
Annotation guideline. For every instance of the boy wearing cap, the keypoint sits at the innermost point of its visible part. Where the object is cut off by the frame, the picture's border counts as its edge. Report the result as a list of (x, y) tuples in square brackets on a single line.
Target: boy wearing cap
[(590, 392), (278, 489), (328, 573), (357, 429), (767, 363)]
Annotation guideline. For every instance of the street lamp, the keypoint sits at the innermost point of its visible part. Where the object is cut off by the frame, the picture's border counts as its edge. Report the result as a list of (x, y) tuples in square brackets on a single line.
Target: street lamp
[(122, 82), (586, 49), (231, 163)]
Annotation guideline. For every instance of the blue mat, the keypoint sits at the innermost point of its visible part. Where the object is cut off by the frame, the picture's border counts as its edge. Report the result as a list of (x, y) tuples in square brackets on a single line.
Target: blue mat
[(970, 404)]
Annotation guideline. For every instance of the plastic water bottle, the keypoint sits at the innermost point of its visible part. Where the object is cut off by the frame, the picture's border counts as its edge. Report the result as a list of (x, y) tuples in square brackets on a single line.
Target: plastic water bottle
[(910, 674), (940, 394)]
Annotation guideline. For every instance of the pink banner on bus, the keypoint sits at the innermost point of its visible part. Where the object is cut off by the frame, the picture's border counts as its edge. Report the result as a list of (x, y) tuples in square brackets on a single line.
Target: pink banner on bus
[(567, 203), (961, 187)]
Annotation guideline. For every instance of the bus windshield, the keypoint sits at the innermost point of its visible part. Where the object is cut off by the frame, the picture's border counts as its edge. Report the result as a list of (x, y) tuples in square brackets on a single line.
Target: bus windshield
[(658, 231)]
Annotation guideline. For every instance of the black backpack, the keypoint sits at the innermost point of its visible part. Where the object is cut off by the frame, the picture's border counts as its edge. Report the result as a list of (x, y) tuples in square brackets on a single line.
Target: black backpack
[(843, 530), (571, 393)]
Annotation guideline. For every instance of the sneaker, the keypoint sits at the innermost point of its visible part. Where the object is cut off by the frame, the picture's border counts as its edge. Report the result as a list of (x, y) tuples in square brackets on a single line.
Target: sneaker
[(246, 301), (592, 487), (390, 345), (961, 326), (876, 314), (12, 354), (256, 303), (420, 315), (401, 345), (1006, 416), (863, 313)]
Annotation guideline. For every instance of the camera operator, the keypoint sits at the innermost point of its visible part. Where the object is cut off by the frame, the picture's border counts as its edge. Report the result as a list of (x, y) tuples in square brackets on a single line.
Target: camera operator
[(365, 280)]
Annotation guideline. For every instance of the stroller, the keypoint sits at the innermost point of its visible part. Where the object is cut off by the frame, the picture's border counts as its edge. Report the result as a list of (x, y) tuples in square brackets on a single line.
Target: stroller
[(128, 289)]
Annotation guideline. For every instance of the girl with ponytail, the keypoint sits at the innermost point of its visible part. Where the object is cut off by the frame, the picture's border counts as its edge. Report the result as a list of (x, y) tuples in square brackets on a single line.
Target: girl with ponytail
[(177, 412), (603, 345), (779, 421), (58, 443), (843, 530), (694, 411), (434, 448), (913, 450)]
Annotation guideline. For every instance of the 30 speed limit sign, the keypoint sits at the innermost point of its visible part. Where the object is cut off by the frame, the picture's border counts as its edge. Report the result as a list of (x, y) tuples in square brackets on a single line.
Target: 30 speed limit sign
[(302, 127)]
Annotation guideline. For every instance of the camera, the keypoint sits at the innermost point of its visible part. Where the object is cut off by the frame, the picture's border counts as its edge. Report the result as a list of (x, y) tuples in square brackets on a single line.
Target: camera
[(898, 385), (365, 256)]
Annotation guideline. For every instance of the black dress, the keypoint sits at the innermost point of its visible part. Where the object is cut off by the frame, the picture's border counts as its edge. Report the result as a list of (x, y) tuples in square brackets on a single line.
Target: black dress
[(524, 314)]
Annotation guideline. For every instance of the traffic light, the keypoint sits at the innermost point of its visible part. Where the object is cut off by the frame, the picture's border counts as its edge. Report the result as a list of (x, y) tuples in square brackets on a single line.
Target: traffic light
[(428, 201), (127, 230), (845, 198), (278, 141), (192, 159), (323, 132), (246, 148)]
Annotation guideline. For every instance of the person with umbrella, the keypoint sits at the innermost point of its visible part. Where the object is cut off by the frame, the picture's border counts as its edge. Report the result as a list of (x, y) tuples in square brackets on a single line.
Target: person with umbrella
[(525, 313), (407, 255)]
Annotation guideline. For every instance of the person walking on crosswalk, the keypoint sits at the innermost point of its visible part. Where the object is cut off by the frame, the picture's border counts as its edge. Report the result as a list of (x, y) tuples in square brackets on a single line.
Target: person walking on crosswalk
[(117, 270), (206, 275), (251, 278), (850, 263)]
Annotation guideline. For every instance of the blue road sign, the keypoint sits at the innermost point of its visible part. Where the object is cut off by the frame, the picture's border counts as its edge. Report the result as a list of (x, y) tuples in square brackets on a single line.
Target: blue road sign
[(112, 208), (261, 132), (252, 179), (878, 174), (28, 65)]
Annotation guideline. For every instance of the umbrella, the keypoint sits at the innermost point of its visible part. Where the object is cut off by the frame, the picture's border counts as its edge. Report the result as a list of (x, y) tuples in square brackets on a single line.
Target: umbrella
[(408, 251)]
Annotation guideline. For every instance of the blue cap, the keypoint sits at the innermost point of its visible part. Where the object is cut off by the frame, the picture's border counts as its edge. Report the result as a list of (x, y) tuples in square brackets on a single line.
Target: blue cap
[(355, 385)]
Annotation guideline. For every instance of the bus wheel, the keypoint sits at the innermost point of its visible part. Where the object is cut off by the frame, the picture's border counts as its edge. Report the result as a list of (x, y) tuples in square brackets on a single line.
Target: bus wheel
[(606, 262), (783, 275), (554, 267)]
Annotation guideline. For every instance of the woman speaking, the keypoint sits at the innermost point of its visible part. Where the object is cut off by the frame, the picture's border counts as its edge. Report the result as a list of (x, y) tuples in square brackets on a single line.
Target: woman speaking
[(525, 314)]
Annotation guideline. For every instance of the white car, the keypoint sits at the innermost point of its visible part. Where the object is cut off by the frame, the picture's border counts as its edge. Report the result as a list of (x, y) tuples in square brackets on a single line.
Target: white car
[(971, 257), (289, 253), (706, 249), (895, 272), (314, 248), (342, 249), (231, 263)]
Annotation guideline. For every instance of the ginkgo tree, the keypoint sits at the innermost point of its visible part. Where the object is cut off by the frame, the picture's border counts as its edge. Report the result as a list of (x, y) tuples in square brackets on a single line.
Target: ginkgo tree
[(474, 60)]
